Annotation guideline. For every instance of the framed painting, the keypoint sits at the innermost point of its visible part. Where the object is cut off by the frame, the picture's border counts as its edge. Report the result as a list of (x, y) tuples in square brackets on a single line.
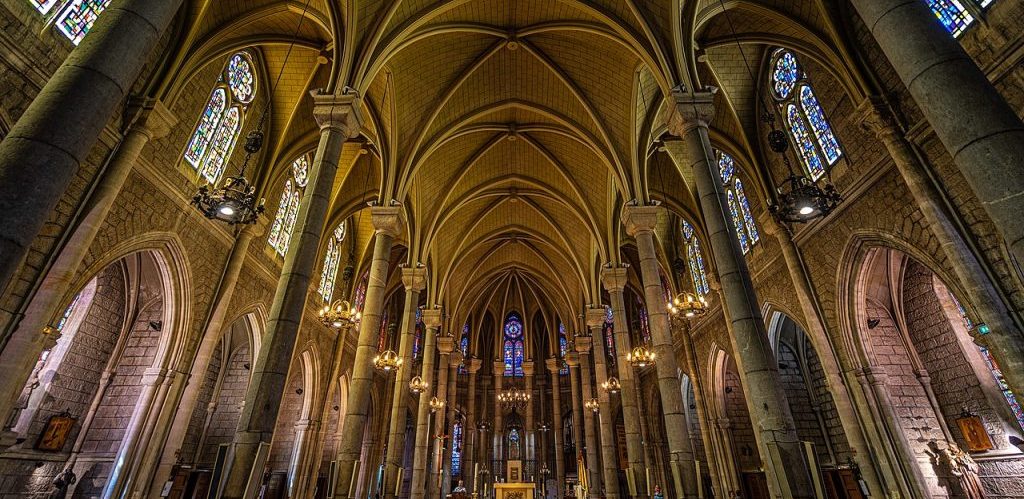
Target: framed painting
[(55, 435), (974, 433)]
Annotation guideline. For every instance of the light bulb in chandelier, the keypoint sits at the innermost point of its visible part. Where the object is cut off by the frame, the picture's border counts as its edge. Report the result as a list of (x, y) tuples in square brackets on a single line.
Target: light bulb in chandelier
[(592, 405), (234, 202), (436, 404), (799, 199), (338, 315), (640, 357), (417, 385), (611, 385), (387, 361)]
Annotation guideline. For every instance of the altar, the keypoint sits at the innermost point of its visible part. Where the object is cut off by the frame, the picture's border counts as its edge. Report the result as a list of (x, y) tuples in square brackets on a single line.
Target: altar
[(513, 490)]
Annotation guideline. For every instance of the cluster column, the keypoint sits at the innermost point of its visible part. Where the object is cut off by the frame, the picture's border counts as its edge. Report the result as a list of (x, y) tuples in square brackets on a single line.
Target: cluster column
[(781, 449), (556, 425), (389, 223), (498, 372), (445, 347), (640, 222), (469, 435), (339, 120), (414, 279), (432, 323), (528, 448), (453, 382), (614, 279), (583, 345), (980, 130), (605, 422)]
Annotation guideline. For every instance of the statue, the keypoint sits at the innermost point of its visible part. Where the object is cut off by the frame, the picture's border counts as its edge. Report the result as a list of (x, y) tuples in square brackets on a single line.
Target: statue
[(965, 470), (62, 482)]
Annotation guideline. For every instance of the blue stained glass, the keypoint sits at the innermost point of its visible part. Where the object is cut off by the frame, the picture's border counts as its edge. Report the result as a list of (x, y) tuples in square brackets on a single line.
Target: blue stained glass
[(748, 218), (417, 338), (562, 346), (726, 167), (822, 130), (240, 78), (360, 295), (67, 313), (609, 334), (508, 358), (77, 18), (645, 322), (289, 222), (952, 15), (737, 222), (464, 348), (223, 144), (513, 326), (329, 274), (697, 273), (808, 152), (300, 170), (206, 128), (282, 209), (513, 447), (382, 333), (785, 74), (513, 348), (457, 448), (687, 230)]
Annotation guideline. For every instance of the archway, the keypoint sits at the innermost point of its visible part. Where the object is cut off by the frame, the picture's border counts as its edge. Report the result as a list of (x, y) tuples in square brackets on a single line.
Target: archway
[(732, 433), (940, 391)]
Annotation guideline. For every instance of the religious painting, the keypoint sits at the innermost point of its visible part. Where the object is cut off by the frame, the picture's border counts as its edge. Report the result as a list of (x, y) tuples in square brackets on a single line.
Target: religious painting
[(974, 433), (56, 432)]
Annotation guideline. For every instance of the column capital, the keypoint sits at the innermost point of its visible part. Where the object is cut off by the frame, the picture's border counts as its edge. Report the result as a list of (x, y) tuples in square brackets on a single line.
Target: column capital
[(338, 112), (432, 317), (595, 316), (389, 220), (614, 278), (150, 117), (445, 345), (498, 367), (474, 365), (528, 367), (455, 359), (875, 116), (573, 359), (639, 219), (552, 364), (583, 344), (690, 110), (414, 278)]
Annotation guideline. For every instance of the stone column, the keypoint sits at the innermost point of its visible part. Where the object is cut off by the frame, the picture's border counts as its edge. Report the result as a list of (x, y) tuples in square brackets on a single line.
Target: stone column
[(1005, 339), (453, 392), (46, 147), (693, 371), (389, 223), (498, 370), (528, 449), (445, 347), (609, 454), (776, 434), (640, 222), (432, 322), (339, 120), (556, 425), (414, 279), (147, 120), (980, 130), (572, 359), (483, 438), (469, 436), (614, 279), (583, 345)]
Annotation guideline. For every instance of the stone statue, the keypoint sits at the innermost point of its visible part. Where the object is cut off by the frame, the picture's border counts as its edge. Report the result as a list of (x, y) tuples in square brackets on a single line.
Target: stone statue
[(964, 468), (62, 482)]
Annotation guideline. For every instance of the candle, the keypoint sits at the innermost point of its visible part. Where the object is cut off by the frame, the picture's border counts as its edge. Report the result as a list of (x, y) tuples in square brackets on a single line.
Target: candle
[(352, 481), (647, 473)]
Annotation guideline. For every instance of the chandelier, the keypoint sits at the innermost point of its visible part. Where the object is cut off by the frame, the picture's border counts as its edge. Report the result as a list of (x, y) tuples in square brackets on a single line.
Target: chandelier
[(593, 405), (436, 404), (687, 305), (514, 397), (612, 385), (483, 426), (235, 201), (800, 200), (641, 356), (417, 385), (387, 361), (339, 314)]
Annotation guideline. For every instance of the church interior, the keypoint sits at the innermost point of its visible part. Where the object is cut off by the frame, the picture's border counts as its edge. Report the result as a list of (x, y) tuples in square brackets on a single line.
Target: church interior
[(511, 249)]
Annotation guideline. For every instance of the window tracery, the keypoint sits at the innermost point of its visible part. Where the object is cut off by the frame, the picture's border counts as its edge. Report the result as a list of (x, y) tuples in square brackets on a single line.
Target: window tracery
[(695, 260), (608, 329), (288, 209), (563, 344), (739, 206), (217, 131), (329, 273), (808, 126), (512, 349)]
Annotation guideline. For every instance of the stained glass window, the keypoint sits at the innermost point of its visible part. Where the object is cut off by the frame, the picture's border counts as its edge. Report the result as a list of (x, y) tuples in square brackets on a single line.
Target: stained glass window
[(513, 444), (993, 367), (382, 333), (67, 313), (695, 259), (748, 218), (808, 126), (359, 298), (329, 273), (457, 448), (417, 337), (217, 131), (645, 322), (563, 344), (77, 17), (952, 15), (464, 348), (43, 6), (609, 334), (739, 207), (734, 213), (287, 211), (513, 347)]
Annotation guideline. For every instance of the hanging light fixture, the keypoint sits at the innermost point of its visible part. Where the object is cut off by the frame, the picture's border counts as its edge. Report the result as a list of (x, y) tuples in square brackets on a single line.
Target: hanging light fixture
[(339, 314), (687, 305), (593, 405), (417, 385), (514, 397), (641, 357), (436, 404), (387, 361), (612, 385), (234, 202), (799, 199)]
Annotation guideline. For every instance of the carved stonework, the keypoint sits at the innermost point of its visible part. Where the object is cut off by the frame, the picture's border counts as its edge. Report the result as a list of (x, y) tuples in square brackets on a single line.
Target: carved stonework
[(614, 278), (149, 116), (432, 317), (340, 112), (388, 219), (583, 344), (595, 317), (639, 219), (876, 117), (690, 110), (414, 278)]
